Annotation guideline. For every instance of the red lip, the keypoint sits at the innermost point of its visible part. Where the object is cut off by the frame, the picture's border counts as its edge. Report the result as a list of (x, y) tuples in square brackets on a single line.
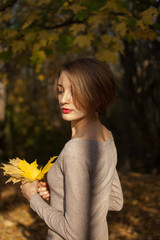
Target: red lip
[(66, 110)]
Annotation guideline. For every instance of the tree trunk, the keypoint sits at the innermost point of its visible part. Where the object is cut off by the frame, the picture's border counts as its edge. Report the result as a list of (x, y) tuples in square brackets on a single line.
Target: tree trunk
[(129, 67), (2, 119), (2, 116)]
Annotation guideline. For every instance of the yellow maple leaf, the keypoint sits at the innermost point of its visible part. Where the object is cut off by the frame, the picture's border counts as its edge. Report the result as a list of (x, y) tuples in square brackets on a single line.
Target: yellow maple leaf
[(76, 7), (10, 169), (107, 39), (83, 40), (107, 55), (148, 15), (46, 168), (18, 46), (14, 162), (7, 16), (21, 170), (96, 20), (110, 5), (13, 179), (29, 171), (144, 34), (76, 28), (141, 24), (121, 28)]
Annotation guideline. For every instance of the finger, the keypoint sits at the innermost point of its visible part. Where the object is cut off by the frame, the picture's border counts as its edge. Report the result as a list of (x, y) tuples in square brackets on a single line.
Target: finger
[(42, 189), (43, 184), (43, 193), (39, 184), (46, 196)]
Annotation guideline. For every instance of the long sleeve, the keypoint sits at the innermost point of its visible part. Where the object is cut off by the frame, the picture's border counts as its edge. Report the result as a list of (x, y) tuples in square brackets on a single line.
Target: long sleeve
[(116, 194), (84, 185), (74, 224)]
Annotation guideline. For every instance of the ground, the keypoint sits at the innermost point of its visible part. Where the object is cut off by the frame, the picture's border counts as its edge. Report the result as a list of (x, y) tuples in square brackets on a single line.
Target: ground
[(138, 220)]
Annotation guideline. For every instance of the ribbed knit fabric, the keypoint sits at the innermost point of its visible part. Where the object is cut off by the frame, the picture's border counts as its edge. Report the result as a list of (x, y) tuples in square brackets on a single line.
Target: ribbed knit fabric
[(84, 185)]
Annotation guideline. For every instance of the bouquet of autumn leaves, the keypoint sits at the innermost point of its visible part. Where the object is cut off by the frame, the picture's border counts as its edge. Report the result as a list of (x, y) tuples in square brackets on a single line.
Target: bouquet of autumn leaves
[(21, 170)]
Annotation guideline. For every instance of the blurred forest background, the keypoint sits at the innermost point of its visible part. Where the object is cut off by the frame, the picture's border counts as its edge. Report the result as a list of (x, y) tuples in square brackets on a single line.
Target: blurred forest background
[(36, 36)]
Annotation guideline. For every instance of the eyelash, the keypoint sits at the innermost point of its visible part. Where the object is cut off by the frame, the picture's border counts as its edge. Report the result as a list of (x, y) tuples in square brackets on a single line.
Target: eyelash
[(59, 91)]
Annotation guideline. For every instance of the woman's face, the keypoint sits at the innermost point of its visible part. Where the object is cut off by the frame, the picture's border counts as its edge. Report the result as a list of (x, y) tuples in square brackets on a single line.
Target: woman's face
[(65, 98)]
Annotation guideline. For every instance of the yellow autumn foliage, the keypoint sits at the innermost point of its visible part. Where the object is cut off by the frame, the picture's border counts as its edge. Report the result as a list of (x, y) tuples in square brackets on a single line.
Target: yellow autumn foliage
[(21, 170), (149, 14), (96, 20), (107, 55), (76, 28), (83, 40), (75, 7)]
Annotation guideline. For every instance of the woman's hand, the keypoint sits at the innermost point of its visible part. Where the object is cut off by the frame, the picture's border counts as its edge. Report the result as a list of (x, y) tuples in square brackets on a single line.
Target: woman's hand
[(29, 189), (43, 190)]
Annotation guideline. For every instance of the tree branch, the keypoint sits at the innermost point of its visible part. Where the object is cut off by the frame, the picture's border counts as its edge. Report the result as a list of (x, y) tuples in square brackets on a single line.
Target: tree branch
[(66, 23)]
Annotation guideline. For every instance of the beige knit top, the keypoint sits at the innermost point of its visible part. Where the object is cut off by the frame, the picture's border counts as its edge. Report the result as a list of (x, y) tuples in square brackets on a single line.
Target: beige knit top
[(84, 185)]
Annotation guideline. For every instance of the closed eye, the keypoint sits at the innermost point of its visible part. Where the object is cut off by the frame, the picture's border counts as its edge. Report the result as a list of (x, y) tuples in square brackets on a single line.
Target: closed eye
[(59, 91)]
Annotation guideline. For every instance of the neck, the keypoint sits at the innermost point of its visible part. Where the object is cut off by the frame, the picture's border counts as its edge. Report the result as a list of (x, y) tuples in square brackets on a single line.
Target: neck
[(85, 126)]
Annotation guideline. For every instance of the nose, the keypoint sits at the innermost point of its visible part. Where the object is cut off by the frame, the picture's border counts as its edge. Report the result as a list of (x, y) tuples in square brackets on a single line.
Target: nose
[(65, 98)]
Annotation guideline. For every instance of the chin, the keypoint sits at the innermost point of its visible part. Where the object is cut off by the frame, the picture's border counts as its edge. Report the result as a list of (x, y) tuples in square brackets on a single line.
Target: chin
[(66, 117)]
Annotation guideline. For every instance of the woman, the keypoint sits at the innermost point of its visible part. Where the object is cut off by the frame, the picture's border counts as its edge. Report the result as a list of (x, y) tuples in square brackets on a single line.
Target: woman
[(83, 182)]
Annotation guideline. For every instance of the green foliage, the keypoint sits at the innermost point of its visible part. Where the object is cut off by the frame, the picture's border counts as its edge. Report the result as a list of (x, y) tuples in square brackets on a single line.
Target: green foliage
[(65, 43)]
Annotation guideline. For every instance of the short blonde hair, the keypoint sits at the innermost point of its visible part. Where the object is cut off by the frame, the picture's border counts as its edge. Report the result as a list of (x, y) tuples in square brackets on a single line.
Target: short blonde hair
[(93, 84)]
